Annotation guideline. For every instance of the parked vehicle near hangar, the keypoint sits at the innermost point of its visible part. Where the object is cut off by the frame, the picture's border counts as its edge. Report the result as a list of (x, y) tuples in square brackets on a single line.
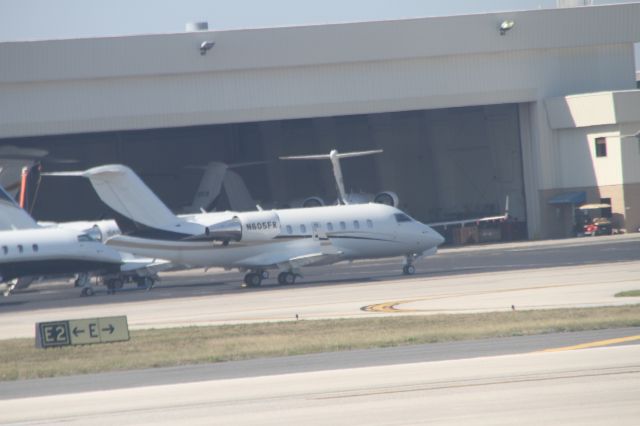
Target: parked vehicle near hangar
[(595, 223)]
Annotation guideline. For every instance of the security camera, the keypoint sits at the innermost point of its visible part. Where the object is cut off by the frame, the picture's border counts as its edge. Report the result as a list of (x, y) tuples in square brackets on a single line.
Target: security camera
[(206, 45)]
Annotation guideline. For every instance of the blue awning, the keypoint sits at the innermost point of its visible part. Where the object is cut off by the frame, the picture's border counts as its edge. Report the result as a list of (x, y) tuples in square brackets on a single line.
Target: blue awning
[(569, 198)]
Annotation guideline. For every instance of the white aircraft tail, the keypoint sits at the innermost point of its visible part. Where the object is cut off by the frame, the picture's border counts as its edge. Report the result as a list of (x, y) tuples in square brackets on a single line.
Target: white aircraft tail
[(12, 216), (239, 197), (122, 190), (334, 156)]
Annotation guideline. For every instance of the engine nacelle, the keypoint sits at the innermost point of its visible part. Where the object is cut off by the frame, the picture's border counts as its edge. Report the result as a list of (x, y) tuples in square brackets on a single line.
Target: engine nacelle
[(259, 225), (313, 202), (99, 231), (246, 226), (388, 198)]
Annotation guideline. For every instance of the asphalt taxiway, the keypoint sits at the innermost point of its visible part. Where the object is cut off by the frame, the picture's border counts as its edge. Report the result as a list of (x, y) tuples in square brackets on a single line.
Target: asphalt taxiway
[(529, 275), (563, 378), (562, 386)]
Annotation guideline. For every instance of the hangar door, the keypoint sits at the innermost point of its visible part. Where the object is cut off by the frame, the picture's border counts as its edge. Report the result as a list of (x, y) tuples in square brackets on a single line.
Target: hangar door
[(443, 164)]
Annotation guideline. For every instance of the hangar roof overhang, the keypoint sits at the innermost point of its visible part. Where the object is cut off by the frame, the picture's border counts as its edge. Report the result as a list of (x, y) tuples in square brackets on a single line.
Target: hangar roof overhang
[(594, 109), (166, 54)]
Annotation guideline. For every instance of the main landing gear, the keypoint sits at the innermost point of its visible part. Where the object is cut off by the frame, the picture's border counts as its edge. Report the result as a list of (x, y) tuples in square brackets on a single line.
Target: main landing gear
[(254, 278), (144, 282), (287, 277)]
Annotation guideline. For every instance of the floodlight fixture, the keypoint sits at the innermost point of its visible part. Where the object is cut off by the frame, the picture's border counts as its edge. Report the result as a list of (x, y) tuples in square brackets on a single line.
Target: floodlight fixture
[(506, 26), (205, 46)]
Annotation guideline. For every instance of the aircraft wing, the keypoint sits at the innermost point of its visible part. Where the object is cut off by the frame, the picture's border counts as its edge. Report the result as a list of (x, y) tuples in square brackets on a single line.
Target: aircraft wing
[(476, 220), (131, 263), (286, 262), (323, 253), (468, 221)]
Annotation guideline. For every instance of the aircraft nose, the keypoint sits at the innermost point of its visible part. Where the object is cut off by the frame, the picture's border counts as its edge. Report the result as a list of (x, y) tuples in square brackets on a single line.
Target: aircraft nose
[(432, 238)]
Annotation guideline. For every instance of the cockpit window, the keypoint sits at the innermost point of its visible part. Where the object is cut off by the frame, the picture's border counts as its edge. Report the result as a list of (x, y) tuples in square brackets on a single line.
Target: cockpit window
[(84, 238), (401, 217)]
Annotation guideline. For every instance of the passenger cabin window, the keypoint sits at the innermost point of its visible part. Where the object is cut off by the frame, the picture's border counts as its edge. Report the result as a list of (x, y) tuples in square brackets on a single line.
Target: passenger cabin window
[(329, 226), (303, 229), (289, 230), (369, 223), (401, 217), (343, 226), (34, 248), (5, 249), (356, 224), (601, 147), (316, 226), (20, 248)]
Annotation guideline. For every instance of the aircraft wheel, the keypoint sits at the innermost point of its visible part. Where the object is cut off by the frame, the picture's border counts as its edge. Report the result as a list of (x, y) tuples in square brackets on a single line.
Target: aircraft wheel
[(87, 291), (282, 277), (290, 278), (264, 274), (409, 270), (253, 280)]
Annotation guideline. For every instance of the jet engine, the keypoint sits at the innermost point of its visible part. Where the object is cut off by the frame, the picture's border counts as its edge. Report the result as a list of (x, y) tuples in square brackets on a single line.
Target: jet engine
[(387, 197), (246, 227), (313, 202), (260, 225), (95, 233)]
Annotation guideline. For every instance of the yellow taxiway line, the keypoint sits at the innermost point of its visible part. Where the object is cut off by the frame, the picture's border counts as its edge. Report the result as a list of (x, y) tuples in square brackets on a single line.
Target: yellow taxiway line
[(596, 344)]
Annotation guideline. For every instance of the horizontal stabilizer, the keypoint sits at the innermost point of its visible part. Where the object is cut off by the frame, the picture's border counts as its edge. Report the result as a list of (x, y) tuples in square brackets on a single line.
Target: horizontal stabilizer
[(328, 156)]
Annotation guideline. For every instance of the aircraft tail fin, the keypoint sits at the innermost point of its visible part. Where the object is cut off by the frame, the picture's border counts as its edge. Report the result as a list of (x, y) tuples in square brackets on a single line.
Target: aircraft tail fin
[(121, 189), (216, 176), (209, 187), (334, 156), (12, 216)]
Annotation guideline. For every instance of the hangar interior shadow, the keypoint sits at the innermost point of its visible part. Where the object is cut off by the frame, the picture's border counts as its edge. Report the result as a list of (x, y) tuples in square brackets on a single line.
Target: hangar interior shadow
[(444, 164)]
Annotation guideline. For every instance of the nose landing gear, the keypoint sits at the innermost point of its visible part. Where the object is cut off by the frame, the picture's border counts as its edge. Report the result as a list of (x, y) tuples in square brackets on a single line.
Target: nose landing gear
[(408, 268)]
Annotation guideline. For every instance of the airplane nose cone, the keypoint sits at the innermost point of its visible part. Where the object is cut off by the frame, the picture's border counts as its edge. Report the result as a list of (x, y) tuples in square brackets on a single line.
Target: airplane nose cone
[(432, 238)]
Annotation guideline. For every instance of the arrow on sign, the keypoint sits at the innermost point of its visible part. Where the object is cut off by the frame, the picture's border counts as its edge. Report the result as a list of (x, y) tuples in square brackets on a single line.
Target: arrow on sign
[(110, 329), (77, 331)]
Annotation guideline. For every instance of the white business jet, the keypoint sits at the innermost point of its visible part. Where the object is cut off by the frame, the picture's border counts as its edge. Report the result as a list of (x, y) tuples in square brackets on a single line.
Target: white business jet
[(259, 240), (27, 249)]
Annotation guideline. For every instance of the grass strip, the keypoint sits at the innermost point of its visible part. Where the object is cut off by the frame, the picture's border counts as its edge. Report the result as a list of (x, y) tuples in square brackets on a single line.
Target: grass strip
[(632, 293), (19, 359)]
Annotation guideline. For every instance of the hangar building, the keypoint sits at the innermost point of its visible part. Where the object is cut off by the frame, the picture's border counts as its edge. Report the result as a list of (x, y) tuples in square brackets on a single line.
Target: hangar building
[(466, 114)]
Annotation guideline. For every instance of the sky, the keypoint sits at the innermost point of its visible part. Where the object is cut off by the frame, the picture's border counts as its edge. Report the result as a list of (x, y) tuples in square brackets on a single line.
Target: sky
[(54, 19)]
